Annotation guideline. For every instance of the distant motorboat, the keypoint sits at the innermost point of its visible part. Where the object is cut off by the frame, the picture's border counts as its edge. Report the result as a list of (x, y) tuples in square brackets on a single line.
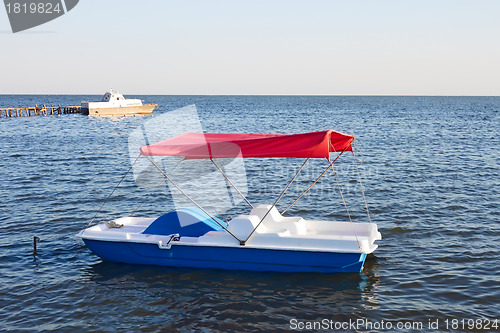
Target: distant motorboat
[(114, 104)]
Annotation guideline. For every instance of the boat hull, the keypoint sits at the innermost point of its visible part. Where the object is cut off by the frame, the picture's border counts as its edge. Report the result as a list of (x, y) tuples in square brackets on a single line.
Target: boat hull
[(231, 258), (120, 110)]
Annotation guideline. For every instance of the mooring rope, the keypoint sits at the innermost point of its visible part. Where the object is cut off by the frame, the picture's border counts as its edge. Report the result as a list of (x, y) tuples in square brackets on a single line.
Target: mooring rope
[(341, 194), (347, 210), (109, 196), (361, 185), (317, 179)]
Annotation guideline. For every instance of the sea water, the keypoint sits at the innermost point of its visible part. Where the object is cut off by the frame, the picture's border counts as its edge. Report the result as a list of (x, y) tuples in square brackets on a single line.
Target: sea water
[(430, 169)]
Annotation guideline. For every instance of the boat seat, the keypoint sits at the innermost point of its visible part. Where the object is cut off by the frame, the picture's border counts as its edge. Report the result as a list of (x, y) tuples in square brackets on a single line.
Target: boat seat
[(276, 223)]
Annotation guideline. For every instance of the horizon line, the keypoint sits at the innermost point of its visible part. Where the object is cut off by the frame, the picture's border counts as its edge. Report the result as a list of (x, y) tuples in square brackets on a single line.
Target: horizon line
[(288, 95)]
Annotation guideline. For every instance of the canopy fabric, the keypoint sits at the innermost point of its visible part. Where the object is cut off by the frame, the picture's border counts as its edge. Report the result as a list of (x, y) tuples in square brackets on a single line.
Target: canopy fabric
[(248, 145)]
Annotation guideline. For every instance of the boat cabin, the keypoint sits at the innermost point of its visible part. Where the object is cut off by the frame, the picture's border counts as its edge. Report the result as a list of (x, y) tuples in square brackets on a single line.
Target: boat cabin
[(112, 96)]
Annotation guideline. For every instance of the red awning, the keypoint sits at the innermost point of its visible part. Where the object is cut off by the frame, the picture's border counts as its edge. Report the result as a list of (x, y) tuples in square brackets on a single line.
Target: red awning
[(231, 145)]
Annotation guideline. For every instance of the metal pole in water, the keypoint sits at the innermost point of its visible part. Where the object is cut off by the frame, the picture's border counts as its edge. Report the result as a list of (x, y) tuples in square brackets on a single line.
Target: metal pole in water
[(35, 239)]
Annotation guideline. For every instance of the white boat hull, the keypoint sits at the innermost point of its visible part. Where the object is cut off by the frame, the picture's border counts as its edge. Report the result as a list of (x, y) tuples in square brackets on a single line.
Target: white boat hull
[(283, 244), (120, 110), (230, 258)]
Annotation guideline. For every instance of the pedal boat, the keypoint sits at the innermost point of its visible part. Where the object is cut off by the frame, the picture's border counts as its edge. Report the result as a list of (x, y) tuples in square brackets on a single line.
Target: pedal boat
[(263, 240)]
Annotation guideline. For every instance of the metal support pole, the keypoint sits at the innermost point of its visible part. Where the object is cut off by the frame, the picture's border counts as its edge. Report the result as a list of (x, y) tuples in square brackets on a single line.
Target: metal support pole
[(317, 179), (230, 182), (187, 196)]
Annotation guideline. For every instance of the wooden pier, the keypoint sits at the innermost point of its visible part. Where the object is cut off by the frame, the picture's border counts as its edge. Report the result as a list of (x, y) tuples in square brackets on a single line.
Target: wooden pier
[(38, 111)]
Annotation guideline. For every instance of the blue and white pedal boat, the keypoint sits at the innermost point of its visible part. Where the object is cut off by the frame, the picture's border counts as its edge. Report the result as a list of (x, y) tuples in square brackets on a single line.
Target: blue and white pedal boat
[(263, 240)]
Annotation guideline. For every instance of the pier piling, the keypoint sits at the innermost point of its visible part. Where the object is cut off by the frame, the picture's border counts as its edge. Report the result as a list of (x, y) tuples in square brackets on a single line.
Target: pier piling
[(36, 110)]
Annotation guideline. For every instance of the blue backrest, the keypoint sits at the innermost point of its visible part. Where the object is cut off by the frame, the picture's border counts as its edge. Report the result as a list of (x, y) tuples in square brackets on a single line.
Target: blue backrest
[(191, 222)]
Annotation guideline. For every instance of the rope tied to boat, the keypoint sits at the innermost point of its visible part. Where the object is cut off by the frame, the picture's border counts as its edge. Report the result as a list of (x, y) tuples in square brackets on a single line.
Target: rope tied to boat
[(347, 209), (112, 224), (314, 182), (361, 184), (109, 196)]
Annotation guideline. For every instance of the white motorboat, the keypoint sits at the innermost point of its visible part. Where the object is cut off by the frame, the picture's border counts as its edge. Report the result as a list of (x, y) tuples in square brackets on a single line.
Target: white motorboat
[(114, 104)]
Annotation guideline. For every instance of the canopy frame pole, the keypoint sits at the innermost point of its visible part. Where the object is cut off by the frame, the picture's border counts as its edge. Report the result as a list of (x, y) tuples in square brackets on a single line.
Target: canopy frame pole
[(187, 196), (230, 182), (274, 204), (317, 179)]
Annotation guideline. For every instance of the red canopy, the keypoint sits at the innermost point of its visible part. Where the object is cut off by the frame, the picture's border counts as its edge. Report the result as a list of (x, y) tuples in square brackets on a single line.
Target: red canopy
[(230, 145)]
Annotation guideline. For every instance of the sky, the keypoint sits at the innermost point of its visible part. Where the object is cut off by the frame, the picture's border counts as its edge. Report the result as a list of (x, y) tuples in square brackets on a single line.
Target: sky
[(273, 47)]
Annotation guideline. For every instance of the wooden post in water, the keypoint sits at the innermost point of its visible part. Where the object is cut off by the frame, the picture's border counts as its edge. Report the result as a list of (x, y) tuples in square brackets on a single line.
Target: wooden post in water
[(35, 240), (39, 110)]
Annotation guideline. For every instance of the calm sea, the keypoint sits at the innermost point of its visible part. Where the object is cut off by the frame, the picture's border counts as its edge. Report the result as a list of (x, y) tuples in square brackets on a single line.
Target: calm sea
[(430, 167)]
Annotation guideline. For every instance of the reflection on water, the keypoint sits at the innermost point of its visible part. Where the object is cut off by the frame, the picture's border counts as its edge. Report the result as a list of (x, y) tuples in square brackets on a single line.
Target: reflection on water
[(202, 298)]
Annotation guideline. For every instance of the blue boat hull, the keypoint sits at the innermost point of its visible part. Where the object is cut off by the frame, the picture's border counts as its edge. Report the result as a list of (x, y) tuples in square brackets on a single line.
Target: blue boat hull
[(239, 258)]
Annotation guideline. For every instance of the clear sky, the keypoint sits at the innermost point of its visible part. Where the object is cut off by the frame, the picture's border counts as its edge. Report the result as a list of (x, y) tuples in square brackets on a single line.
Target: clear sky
[(350, 47)]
